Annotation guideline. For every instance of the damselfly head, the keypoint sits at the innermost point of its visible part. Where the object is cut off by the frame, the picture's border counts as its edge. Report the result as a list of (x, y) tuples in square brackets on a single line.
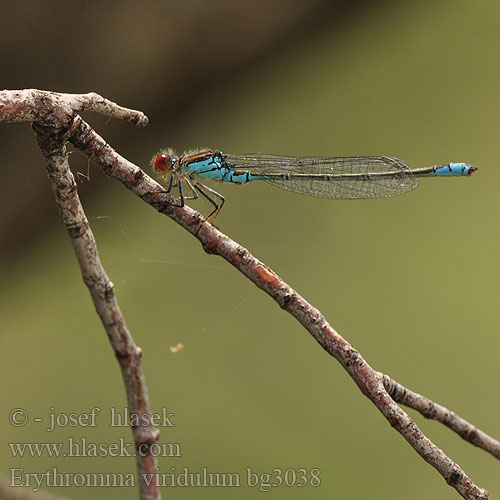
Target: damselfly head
[(163, 163)]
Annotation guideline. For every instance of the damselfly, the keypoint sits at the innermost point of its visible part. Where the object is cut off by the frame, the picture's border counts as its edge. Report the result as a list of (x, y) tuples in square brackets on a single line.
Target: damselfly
[(350, 177)]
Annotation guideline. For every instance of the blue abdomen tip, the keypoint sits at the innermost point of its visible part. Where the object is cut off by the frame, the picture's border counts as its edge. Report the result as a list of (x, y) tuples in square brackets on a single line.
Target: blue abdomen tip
[(459, 168), (455, 169)]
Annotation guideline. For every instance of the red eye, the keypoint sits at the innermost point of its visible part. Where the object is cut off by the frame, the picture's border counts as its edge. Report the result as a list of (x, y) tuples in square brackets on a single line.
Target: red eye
[(162, 163)]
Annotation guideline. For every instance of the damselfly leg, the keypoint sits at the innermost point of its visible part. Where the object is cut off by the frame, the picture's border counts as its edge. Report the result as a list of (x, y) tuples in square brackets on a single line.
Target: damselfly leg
[(179, 184), (217, 208), (181, 191), (170, 184)]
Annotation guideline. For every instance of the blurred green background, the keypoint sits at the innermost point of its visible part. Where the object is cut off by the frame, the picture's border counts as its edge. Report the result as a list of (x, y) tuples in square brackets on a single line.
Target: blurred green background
[(412, 282)]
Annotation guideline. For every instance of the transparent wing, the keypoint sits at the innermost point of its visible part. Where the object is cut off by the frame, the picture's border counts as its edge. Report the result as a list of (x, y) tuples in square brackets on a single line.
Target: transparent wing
[(343, 177)]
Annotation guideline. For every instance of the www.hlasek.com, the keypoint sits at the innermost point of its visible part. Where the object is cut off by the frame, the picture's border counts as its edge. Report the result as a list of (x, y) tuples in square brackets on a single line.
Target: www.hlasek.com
[(82, 447), (203, 478)]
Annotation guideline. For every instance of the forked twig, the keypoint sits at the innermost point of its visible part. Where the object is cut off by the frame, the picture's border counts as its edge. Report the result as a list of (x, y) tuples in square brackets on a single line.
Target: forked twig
[(51, 114), (379, 388)]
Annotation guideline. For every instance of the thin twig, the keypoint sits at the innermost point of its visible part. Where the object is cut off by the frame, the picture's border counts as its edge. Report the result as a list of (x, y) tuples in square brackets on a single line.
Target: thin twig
[(434, 411), (373, 384), (57, 109), (50, 130)]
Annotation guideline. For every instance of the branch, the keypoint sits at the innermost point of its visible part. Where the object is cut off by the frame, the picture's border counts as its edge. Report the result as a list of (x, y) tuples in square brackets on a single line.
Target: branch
[(376, 386), (432, 410), (55, 109), (52, 115)]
